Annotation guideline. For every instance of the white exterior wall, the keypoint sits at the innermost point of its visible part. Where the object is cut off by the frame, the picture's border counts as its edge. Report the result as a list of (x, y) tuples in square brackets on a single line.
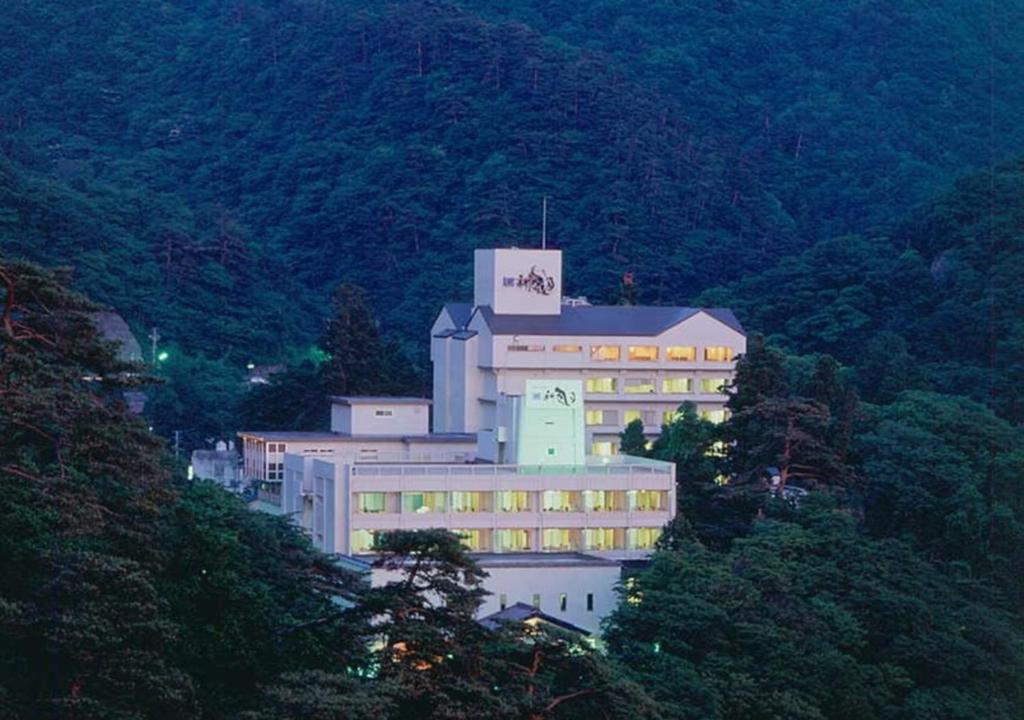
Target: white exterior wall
[(501, 280), (521, 583)]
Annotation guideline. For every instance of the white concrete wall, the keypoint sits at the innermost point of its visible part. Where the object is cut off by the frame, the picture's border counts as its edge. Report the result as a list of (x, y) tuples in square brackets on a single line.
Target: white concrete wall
[(501, 281)]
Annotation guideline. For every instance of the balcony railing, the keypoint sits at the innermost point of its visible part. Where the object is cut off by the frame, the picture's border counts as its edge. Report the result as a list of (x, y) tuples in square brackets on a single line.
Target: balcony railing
[(615, 465)]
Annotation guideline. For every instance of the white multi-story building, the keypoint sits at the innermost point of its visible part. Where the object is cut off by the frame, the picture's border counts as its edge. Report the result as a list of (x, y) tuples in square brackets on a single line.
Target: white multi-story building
[(530, 393), (634, 362)]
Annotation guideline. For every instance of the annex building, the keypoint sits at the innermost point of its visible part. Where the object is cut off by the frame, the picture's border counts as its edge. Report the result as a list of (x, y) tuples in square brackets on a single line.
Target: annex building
[(517, 451)]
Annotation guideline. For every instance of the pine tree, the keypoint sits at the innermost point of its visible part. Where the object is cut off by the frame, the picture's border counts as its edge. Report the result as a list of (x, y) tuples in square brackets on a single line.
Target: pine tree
[(632, 440), (356, 356)]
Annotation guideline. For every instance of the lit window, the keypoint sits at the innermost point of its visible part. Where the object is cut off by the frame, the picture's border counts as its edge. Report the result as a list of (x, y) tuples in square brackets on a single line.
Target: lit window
[(526, 348), (469, 502), (647, 500), (715, 416), (424, 502), (713, 385), (363, 541), (601, 385), (603, 448), (681, 353), (563, 602), (472, 539), (718, 353), (630, 415), (558, 501), (604, 352), (716, 449), (513, 500), (567, 348), (372, 502), (604, 500), (642, 538), (602, 539), (677, 385), (595, 417), (638, 385), (511, 540), (556, 539), (669, 416), (383, 413), (643, 352)]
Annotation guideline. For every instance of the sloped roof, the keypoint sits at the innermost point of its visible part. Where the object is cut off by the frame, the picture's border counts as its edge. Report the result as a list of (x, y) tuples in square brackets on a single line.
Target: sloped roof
[(459, 312), (643, 321), (521, 612)]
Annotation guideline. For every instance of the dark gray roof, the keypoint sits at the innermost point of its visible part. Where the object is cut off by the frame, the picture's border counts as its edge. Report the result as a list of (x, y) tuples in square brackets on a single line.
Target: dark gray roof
[(464, 334), (460, 313), (521, 612), (602, 320), (378, 400)]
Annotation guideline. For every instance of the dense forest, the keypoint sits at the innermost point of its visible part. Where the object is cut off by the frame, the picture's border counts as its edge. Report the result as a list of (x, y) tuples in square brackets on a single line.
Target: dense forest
[(283, 182)]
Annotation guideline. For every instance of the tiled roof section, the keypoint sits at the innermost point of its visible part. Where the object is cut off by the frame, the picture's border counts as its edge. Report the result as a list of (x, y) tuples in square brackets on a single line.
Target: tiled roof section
[(643, 321), (460, 313), (378, 400)]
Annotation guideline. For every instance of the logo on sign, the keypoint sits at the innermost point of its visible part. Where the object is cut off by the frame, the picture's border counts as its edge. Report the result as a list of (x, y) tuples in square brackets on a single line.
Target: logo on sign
[(535, 281), (557, 395)]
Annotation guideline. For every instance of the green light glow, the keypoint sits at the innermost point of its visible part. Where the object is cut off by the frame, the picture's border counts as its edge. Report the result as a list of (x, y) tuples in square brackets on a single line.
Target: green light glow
[(162, 356)]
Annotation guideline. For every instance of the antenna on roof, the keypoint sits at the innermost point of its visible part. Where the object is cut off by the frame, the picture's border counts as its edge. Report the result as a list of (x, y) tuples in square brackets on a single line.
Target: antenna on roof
[(544, 224)]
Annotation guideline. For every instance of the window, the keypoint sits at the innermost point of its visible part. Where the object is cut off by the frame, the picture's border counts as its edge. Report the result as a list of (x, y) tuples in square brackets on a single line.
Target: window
[(643, 352), (595, 417), (642, 538), (275, 471), (601, 385), (677, 385), (603, 500), (555, 539), (275, 447), (526, 348), (638, 385), (469, 502), (602, 448), (631, 415), (372, 502), (513, 500), (718, 353), (604, 352), (536, 600), (601, 539), (423, 502), (503, 601), (511, 540), (363, 541), (681, 353), (715, 416), (563, 602), (716, 449), (558, 501), (669, 416), (590, 602), (646, 500), (472, 539), (713, 385), (383, 413), (567, 348)]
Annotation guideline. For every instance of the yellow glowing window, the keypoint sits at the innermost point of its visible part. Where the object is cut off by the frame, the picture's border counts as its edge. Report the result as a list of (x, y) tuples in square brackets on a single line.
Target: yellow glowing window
[(600, 539), (556, 539), (526, 348), (602, 448), (630, 415), (717, 449), (713, 385), (604, 500), (715, 416), (558, 501), (469, 502), (472, 539), (642, 538), (681, 353), (511, 540), (647, 500), (638, 385), (362, 541), (604, 352), (601, 385), (677, 385), (513, 500), (424, 502), (718, 353), (643, 352), (595, 417), (669, 416), (372, 502), (567, 348)]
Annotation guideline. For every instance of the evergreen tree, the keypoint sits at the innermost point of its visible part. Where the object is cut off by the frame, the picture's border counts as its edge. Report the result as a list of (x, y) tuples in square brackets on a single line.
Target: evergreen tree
[(632, 440), (760, 375), (355, 353)]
